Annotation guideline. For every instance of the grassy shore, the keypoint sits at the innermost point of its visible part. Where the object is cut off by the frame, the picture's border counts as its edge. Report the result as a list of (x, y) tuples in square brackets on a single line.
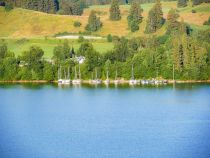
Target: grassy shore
[(122, 81)]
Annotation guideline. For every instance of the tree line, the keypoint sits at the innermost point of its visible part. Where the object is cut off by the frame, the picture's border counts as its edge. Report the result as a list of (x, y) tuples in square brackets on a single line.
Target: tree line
[(68, 7), (152, 57)]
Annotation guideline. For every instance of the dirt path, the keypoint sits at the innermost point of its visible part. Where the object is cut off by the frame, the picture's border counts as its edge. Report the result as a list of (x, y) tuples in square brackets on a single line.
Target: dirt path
[(77, 36)]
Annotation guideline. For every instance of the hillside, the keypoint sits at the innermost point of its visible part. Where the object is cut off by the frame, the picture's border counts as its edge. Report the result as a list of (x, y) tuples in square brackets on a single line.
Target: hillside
[(26, 23)]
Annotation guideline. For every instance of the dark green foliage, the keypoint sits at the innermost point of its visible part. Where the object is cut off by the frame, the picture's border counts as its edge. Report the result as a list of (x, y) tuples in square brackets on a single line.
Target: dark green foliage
[(81, 39), (8, 7), (84, 47), (134, 18), (114, 11), (172, 24), (3, 50), (77, 24), (193, 11), (155, 18), (181, 3), (48, 6), (61, 52), (197, 2), (109, 38), (74, 7), (94, 23), (121, 49), (48, 72)]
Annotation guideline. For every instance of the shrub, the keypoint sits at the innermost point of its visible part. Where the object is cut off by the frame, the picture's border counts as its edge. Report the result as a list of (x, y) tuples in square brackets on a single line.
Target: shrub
[(77, 24), (193, 11), (109, 38), (8, 7), (81, 39)]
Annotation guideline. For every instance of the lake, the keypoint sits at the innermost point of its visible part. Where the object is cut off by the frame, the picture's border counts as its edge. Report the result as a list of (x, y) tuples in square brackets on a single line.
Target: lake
[(46, 121)]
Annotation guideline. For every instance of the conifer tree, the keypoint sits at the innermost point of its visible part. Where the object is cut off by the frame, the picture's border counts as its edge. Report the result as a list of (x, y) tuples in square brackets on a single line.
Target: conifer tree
[(181, 3), (134, 18), (155, 18), (94, 23), (114, 11), (173, 24), (197, 2)]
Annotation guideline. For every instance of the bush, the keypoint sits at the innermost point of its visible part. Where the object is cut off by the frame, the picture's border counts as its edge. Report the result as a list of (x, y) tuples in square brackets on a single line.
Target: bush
[(77, 24), (193, 11), (81, 39), (109, 38), (8, 7)]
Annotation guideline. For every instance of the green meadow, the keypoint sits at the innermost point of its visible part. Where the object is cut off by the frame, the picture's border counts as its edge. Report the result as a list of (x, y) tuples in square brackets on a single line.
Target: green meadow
[(19, 45)]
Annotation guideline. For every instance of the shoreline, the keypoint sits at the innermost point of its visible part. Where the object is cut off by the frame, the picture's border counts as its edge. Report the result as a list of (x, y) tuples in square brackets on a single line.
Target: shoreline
[(111, 81)]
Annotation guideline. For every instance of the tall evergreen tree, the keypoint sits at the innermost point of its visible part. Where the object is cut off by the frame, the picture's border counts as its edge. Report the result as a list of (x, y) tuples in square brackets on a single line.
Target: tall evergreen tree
[(181, 3), (172, 23), (155, 18), (134, 18), (94, 23), (114, 11), (197, 2)]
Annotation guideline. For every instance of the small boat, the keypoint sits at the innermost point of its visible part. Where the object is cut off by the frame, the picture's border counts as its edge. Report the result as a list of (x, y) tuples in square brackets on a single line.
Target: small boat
[(96, 80), (67, 80), (143, 82), (132, 81)]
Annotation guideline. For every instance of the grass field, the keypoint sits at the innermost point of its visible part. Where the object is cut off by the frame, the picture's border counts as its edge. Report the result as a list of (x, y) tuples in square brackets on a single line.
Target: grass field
[(19, 45), (23, 28), (26, 23)]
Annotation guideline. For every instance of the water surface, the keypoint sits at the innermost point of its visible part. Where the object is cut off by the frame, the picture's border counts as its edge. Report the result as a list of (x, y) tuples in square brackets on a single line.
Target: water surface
[(46, 121)]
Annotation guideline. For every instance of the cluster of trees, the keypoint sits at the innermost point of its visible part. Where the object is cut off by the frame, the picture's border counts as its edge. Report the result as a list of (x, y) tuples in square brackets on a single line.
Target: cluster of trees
[(68, 7), (134, 18), (72, 7), (184, 3), (48, 6), (151, 56), (94, 23), (155, 18)]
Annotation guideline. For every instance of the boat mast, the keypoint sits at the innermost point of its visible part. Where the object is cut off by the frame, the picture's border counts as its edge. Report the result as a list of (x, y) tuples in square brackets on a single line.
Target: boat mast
[(96, 74), (173, 74), (68, 74), (75, 72), (65, 73), (58, 73), (79, 73), (132, 73), (116, 75), (107, 74)]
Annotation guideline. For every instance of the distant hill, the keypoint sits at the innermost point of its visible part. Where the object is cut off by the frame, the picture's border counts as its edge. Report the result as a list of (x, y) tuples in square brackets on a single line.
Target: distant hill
[(27, 23)]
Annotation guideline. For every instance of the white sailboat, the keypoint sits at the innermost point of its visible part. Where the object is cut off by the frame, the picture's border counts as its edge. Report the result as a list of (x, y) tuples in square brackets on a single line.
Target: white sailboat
[(132, 81), (96, 80)]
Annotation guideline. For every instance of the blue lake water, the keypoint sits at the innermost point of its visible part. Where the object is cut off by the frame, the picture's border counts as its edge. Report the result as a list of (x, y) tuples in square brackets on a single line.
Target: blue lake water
[(46, 121)]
